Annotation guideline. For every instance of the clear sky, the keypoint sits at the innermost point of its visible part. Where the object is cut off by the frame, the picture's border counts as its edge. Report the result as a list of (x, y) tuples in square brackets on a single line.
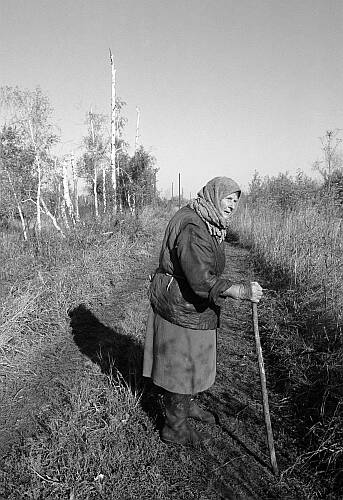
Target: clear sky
[(225, 87)]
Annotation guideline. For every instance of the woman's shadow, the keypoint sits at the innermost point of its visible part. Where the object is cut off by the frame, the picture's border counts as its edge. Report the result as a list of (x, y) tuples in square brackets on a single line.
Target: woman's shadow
[(117, 354)]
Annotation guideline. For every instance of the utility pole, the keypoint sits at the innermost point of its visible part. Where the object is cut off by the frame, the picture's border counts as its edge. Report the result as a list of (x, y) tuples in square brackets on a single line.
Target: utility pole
[(113, 134), (179, 190), (172, 192)]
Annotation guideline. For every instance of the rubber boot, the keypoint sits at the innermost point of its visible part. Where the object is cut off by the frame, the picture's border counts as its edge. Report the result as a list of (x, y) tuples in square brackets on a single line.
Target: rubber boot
[(199, 414), (176, 428)]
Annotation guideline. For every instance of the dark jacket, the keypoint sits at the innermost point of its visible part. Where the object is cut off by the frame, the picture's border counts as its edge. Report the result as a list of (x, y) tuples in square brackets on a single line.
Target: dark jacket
[(186, 287)]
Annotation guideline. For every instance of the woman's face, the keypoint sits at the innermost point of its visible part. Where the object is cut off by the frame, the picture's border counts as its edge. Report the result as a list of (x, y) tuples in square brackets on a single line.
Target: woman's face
[(229, 204)]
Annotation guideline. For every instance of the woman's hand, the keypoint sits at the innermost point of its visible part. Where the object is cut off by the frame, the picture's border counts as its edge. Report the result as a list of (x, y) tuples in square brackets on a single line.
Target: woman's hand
[(255, 292), (251, 291)]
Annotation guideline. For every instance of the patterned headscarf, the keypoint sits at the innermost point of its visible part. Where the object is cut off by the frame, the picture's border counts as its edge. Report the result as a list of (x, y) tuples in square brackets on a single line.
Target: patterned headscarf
[(207, 204)]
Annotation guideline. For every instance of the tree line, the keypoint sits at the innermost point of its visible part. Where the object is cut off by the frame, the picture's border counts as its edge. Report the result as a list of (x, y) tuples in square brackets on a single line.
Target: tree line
[(287, 192), (35, 182)]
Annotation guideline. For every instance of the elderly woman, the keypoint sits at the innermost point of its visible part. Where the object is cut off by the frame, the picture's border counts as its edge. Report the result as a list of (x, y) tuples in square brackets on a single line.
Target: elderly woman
[(186, 293)]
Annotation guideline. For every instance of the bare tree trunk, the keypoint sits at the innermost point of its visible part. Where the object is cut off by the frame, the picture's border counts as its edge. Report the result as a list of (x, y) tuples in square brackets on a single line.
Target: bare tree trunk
[(76, 194), (21, 215), (22, 220), (104, 194), (137, 127), (120, 190), (66, 192), (95, 191), (131, 202), (59, 196), (39, 187), (113, 134), (120, 204), (64, 213), (39, 174), (54, 221)]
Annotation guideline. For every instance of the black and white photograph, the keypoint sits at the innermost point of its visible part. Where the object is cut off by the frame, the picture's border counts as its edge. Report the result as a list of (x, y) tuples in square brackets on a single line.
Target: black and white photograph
[(171, 250)]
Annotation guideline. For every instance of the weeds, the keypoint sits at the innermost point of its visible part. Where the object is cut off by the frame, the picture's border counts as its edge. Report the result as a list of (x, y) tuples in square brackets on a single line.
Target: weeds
[(300, 253), (82, 416)]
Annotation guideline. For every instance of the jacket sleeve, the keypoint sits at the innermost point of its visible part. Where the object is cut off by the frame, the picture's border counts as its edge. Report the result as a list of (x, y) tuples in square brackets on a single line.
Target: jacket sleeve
[(197, 260)]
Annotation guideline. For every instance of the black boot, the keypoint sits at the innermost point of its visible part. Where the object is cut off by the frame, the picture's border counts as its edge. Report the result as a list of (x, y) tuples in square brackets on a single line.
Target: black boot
[(199, 414), (176, 428)]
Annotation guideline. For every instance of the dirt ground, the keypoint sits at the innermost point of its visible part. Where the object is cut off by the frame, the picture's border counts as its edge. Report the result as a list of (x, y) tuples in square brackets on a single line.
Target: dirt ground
[(234, 462)]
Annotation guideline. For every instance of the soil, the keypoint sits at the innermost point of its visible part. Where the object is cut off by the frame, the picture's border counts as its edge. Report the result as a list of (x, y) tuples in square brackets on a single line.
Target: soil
[(234, 462)]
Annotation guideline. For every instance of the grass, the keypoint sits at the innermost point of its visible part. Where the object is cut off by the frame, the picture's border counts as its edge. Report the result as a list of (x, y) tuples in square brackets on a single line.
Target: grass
[(82, 416), (77, 423), (300, 253), (76, 420)]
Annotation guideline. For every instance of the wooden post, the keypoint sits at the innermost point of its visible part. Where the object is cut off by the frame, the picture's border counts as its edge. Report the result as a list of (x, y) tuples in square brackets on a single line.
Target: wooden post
[(113, 134)]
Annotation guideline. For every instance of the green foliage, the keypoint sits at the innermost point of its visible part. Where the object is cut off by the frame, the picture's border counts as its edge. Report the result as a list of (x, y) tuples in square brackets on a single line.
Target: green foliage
[(26, 138), (140, 184), (332, 156), (30, 111), (16, 171), (282, 191), (333, 186)]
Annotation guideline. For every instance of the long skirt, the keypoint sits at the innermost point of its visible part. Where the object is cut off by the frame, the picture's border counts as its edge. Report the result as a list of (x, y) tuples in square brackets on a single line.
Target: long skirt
[(180, 360)]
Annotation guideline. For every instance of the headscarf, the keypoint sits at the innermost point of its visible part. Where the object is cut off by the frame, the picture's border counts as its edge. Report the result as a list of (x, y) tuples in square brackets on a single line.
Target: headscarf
[(207, 204)]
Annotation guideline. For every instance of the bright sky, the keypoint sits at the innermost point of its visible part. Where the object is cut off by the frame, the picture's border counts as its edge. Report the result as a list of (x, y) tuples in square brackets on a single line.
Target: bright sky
[(225, 87)]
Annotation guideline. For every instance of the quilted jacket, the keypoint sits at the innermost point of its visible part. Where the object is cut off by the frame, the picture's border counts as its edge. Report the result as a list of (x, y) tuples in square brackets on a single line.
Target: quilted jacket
[(186, 287)]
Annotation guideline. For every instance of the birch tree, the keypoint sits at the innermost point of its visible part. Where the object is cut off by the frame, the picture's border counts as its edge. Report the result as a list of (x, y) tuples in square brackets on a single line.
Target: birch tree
[(16, 180), (113, 133), (30, 112), (97, 154), (75, 183), (138, 113), (66, 191)]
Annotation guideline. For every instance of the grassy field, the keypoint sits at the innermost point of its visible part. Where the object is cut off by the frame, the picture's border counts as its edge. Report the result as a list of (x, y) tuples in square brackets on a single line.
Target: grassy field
[(55, 403), (300, 252), (77, 420)]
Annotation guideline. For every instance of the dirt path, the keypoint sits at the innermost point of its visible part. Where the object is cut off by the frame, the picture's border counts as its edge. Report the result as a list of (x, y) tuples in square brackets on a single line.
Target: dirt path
[(234, 463)]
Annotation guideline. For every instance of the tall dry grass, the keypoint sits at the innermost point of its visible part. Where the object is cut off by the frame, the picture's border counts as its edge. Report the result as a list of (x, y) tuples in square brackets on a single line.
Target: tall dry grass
[(84, 432), (300, 252)]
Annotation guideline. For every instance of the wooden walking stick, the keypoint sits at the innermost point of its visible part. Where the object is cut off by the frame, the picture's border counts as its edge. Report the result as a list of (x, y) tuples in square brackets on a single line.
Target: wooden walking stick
[(264, 391)]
